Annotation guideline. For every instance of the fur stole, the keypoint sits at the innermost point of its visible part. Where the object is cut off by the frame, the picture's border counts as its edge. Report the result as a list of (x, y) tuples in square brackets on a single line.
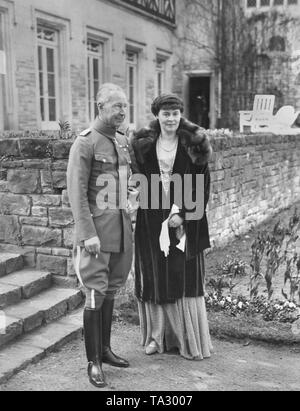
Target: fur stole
[(193, 138)]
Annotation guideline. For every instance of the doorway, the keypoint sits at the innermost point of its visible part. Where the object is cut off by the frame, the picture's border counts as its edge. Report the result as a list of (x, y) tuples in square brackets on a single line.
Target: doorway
[(199, 100)]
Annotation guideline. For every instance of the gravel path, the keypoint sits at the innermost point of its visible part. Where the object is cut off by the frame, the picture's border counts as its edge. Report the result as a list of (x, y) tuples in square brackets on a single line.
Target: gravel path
[(234, 366)]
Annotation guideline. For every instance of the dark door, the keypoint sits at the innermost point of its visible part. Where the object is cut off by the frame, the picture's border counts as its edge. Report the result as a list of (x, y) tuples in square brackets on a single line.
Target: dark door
[(200, 101)]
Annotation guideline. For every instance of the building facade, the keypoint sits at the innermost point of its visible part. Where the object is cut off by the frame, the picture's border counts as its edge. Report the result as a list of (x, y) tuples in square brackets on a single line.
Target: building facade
[(216, 54), (54, 54)]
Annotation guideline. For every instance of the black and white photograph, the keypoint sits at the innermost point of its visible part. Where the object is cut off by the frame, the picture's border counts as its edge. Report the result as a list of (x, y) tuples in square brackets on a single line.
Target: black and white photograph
[(149, 198)]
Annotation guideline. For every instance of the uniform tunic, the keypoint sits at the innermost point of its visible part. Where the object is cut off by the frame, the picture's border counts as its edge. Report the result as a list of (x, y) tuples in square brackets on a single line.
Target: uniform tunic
[(100, 156)]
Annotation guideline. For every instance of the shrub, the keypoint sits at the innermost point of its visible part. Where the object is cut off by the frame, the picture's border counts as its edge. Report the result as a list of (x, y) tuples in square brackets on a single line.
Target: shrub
[(275, 249)]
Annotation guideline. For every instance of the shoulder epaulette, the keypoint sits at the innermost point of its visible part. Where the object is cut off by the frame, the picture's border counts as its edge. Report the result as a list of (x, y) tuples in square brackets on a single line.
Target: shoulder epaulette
[(85, 132)]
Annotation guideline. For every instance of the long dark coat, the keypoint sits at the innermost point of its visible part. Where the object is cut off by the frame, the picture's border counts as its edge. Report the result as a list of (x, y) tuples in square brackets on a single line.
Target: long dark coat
[(159, 279)]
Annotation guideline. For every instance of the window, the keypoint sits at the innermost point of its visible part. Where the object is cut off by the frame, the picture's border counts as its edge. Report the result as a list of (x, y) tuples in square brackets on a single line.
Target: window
[(48, 74), (132, 83), (277, 43), (95, 66), (251, 3), (8, 112), (269, 3), (160, 76), (53, 70), (265, 3)]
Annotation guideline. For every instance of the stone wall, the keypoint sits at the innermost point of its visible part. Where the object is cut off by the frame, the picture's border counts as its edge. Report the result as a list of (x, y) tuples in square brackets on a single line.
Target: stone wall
[(35, 216), (253, 177)]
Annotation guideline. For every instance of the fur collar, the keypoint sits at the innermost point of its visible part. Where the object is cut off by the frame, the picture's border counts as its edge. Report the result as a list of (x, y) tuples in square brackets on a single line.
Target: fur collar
[(192, 137)]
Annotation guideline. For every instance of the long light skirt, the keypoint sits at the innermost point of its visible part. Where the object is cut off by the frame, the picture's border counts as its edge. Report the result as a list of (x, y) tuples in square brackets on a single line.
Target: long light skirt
[(182, 325)]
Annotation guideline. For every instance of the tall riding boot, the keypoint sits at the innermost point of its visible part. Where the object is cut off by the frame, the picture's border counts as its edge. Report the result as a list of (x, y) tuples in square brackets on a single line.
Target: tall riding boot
[(108, 356), (92, 322)]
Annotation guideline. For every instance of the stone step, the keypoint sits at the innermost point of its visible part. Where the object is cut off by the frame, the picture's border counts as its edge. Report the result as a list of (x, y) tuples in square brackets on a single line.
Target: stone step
[(9, 294), (36, 345), (10, 262), (42, 309), (22, 284)]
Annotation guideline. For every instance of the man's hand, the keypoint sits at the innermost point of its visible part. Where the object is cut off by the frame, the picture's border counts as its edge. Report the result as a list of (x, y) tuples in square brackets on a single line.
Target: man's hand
[(93, 246), (175, 221)]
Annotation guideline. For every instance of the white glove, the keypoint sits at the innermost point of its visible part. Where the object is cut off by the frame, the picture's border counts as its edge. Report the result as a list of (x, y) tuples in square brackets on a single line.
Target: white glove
[(164, 239)]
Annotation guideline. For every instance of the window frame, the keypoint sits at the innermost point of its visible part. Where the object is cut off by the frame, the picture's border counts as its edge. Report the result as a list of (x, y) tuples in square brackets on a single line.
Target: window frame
[(62, 26), (258, 5), (3, 73), (160, 72), (134, 66), (100, 57), (105, 38), (44, 44), (10, 115), (166, 57), (141, 77)]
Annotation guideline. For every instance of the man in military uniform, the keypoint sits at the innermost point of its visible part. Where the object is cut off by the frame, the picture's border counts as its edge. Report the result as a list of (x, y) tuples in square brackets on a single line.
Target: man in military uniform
[(103, 231)]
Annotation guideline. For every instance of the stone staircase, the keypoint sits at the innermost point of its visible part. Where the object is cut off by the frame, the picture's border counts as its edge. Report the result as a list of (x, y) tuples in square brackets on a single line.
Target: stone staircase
[(36, 316)]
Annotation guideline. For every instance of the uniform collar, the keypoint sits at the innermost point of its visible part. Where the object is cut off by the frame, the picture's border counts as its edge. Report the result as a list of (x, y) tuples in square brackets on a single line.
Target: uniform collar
[(104, 129)]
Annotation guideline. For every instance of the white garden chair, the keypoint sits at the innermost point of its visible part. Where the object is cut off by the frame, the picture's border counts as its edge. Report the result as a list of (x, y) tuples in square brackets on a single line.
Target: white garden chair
[(261, 115)]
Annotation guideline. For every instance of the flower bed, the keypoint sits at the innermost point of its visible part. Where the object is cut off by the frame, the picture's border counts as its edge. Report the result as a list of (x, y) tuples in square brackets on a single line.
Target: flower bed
[(252, 295), (285, 312)]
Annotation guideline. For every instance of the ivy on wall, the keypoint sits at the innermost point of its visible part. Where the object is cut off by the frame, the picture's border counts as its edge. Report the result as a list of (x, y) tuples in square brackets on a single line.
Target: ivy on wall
[(254, 53)]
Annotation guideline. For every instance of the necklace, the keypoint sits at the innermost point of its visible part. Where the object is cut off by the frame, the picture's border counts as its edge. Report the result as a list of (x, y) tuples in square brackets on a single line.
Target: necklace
[(162, 147), (166, 166)]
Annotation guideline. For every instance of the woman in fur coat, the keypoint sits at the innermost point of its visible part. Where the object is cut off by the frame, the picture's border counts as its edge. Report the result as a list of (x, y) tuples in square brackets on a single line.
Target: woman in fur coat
[(169, 260)]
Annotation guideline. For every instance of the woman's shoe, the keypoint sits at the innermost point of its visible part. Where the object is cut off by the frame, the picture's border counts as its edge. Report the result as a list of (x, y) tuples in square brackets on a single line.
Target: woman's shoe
[(151, 348)]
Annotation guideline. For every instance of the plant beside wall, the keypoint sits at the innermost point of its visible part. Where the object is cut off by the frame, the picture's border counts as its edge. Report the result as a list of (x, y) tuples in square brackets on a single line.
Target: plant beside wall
[(64, 129), (272, 254)]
